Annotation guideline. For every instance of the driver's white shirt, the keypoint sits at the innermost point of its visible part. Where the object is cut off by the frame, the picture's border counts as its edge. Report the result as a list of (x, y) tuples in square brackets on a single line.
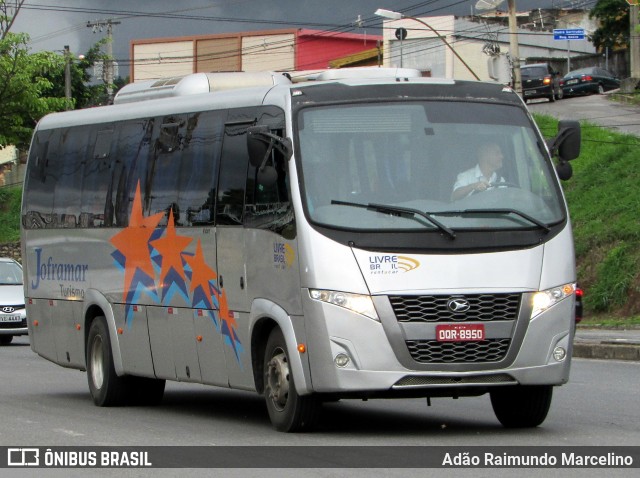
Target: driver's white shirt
[(474, 175)]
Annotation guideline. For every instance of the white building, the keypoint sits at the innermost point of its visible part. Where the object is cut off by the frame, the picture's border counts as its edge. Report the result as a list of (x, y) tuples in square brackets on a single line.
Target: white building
[(424, 50)]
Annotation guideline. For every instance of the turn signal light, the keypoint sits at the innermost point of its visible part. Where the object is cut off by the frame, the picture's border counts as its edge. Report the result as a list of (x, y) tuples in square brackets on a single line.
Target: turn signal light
[(302, 348)]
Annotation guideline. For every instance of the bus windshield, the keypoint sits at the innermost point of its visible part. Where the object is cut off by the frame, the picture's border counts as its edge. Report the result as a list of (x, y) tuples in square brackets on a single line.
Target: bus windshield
[(441, 165)]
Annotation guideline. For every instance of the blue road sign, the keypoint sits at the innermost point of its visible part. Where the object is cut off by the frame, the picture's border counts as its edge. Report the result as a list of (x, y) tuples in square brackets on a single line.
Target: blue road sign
[(568, 34)]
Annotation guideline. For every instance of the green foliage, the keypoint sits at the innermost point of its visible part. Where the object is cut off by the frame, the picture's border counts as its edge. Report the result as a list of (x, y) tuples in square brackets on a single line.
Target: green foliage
[(616, 273), (613, 29), (10, 214), (604, 207), (25, 90)]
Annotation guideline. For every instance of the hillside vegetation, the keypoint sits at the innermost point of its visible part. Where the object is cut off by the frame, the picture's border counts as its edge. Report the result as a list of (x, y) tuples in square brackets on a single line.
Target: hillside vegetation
[(604, 203)]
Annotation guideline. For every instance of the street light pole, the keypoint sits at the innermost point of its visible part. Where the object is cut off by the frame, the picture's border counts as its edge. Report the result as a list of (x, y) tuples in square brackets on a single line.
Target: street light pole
[(67, 76), (381, 12)]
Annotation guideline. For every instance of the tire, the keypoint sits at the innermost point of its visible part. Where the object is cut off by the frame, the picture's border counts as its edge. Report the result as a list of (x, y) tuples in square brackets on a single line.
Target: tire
[(521, 406), (5, 339), (107, 389), (288, 411), (560, 94)]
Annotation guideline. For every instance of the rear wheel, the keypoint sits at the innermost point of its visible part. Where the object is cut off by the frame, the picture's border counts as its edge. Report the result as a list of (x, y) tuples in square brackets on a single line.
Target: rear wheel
[(288, 411), (5, 339), (107, 389), (521, 406), (560, 94)]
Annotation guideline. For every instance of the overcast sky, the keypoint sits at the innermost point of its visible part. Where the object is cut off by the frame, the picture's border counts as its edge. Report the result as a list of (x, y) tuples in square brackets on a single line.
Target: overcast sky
[(52, 24)]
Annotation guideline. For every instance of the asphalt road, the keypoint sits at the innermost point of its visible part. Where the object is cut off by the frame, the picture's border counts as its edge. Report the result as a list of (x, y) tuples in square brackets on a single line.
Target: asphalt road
[(597, 109), (46, 405), (43, 403)]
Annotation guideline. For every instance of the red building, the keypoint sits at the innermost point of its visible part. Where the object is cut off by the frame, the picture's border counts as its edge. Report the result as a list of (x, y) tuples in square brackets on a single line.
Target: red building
[(274, 50)]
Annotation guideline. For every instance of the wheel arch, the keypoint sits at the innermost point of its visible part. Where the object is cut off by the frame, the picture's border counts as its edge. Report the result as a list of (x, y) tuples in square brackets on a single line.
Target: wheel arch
[(96, 305), (266, 316)]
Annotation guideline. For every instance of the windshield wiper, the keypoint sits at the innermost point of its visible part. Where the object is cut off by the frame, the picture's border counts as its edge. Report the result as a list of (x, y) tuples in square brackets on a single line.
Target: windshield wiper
[(523, 215), (399, 211)]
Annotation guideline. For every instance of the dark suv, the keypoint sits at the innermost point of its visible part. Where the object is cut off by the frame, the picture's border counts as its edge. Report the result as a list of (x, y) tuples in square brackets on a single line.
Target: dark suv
[(539, 80)]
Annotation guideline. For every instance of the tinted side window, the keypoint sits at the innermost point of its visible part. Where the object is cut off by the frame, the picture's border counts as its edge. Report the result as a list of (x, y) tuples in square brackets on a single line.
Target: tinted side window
[(268, 206), (36, 208), (67, 171), (96, 210), (233, 174), (164, 167), (201, 159), (133, 150)]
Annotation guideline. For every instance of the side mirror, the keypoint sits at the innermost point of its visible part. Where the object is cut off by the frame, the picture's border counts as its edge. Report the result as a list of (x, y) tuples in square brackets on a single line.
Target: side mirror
[(564, 170), (570, 137), (566, 143)]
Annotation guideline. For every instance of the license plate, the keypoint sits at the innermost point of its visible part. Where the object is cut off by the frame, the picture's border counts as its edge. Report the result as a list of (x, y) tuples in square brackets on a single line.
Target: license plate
[(571, 82), (459, 332), (530, 92), (10, 318)]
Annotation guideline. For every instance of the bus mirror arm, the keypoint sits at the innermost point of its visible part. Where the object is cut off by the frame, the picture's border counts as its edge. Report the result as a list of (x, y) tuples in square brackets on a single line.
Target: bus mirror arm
[(260, 142)]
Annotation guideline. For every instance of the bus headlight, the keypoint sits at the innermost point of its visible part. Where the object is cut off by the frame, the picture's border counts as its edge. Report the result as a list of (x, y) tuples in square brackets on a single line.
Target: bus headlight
[(358, 303), (545, 299)]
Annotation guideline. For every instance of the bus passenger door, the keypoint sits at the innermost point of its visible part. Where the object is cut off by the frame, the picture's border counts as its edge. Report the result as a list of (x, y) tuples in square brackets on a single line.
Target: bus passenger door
[(233, 301)]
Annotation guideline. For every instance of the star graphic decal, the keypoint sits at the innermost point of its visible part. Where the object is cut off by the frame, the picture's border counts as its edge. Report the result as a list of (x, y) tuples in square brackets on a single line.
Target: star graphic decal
[(132, 249), (170, 247)]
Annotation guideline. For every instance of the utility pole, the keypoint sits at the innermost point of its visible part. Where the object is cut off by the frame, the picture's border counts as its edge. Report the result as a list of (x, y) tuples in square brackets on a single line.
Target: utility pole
[(634, 40), (107, 67), (513, 46), (67, 75)]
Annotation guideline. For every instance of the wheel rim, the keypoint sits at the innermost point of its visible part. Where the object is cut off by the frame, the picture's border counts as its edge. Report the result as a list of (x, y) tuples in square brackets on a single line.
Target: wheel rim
[(277, 375), (97, 362)]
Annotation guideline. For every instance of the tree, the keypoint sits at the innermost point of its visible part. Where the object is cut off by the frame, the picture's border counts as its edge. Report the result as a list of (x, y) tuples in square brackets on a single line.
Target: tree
[(8, 13), (613, 31), (25, 88)]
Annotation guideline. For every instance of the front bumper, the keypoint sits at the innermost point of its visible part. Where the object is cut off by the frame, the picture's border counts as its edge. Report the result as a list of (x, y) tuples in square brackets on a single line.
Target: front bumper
[(381, 364), (14, 327)]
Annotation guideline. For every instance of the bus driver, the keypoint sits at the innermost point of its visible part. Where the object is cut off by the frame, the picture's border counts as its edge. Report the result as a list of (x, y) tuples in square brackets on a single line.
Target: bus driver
[(482, 175)]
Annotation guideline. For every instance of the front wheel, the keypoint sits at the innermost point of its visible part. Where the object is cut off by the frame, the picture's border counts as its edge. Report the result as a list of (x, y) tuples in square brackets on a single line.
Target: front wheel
[(5, 339), (522, 406), (288, 411)]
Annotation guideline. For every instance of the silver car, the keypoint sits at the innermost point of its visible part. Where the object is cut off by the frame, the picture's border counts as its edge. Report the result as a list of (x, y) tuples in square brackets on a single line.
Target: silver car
[(13, 316)]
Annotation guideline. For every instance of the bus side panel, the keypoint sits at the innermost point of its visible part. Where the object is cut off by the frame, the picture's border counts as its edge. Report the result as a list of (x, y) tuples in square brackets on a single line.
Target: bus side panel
[(162, 345), (134, 340), (210, 347), (69, 335), (40, 328)]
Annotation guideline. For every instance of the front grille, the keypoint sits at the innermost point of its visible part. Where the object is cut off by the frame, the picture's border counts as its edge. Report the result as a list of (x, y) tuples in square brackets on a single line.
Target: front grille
[(435, 308), (418, 381), (432, 351)]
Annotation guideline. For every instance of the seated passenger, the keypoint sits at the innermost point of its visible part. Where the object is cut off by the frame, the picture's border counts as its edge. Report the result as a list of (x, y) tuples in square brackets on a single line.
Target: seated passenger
[(482, 175)]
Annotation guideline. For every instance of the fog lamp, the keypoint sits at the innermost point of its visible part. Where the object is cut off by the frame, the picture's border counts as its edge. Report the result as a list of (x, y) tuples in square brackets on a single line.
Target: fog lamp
[(341, 360), (559, 353)]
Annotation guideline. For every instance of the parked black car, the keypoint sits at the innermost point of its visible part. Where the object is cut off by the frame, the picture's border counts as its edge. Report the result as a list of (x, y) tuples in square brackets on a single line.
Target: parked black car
[(586, 81), (539, 80)]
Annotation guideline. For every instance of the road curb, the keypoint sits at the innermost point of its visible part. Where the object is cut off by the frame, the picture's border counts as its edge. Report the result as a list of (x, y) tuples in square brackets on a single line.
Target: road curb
[(609, 351)]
